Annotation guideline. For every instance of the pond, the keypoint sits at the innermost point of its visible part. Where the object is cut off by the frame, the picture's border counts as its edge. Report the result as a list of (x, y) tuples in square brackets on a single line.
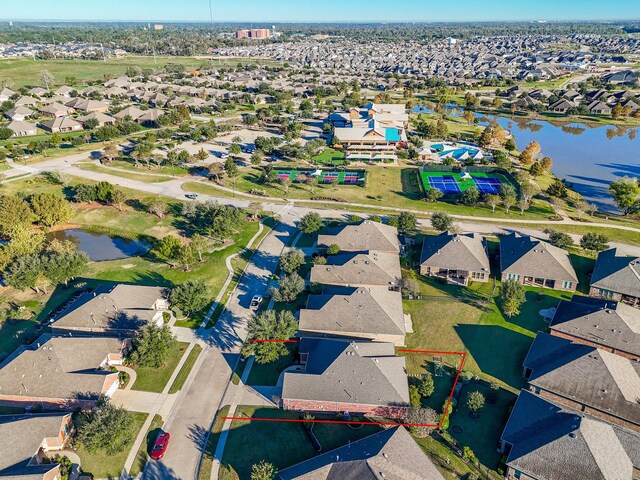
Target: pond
[(101, 247), (587, 156)]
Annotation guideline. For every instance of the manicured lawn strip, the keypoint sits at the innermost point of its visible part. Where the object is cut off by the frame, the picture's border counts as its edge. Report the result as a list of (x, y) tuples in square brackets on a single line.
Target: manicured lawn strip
[(268, 373), (154, 379), (103, 465), (143, 452), (210, 448), (184, 372), (283, 444), (119, 173)]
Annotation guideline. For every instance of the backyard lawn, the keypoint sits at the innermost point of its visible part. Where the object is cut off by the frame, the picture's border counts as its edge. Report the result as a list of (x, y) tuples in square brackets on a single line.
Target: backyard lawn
[(155, 379), (103, 465)]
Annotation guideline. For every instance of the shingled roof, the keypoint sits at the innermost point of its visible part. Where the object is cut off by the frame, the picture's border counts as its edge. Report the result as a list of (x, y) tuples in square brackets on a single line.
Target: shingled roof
[(528, 256), (604, 322), (552, 442), (617, 273), (365, 236), (358, 269), (455, 252), (585, 374), (353, 311), (366, 373), (389, 454)]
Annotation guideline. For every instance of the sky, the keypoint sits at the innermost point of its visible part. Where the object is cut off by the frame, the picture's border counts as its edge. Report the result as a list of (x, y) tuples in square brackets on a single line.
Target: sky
[(319, 10)]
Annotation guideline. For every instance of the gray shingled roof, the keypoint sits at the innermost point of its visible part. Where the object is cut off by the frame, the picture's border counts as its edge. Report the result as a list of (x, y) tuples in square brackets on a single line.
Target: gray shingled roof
[(367, 373), (455, 252), (20, 439), (58, 367), (617, 273), (607, 323), (552, 442), (585, 374), (365, 236), (389, 454), (358, 269), (355, 311), (524, 255)]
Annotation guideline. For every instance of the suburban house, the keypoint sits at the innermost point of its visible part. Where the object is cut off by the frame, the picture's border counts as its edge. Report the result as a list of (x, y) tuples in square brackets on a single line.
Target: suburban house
[(389, 454), (61, 372), (19, 113), (368, 235), (87, 105), (536, 263), (368, 269), (26, 101), (585, 378), (365, 313), (55, 110), (346, 376), (132, 112), (458, 258), (616, 277), (29, 444), (64, 91), (22, 129), (150, 117), (101, 118), (113, 310), (62, 125), (545, 441), (605, 324), (6, 94)]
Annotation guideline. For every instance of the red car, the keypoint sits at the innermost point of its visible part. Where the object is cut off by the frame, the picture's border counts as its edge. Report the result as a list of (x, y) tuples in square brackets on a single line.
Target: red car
[(160, 446)]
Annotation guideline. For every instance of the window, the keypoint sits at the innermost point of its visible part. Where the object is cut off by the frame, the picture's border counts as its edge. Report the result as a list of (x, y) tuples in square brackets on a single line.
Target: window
[(513, 276), (567, 285), (477, 275)]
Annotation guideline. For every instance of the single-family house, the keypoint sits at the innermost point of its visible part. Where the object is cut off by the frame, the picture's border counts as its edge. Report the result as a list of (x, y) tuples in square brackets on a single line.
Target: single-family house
[(546, 441), (22, 129), (61, 371), (64, 91), (87, 105), (38, 91), (599, 107), (561, 106), (616, 277), (458, 258), (150, 117), (390, 454), (346, 376), (365, 313), (113, 310), (55, 110), (6, 94), (367, 269), (30, 443), (61, 125), (20, 113), (132, 112), (26, 101), (606, 324), (585, 378), (102, 119), (536, 263), (368, 235)]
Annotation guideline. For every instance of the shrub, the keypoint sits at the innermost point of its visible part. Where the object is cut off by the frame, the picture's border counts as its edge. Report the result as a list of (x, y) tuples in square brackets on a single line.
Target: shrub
[(441, 221), (475, 401)]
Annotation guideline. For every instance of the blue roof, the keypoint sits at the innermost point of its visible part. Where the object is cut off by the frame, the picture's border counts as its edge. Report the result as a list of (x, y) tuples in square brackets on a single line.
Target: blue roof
[(392, 135)]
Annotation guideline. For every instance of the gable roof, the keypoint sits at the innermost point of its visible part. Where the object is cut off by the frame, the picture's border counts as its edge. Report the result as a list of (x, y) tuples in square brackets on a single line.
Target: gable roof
[(553, 442), (368, 235), (61, 122), (358, 269), (617, 273), (525, 255), (604, 322), (389, 454), (58, 367), (455, 252), (366, 373), (20, 127), (586, 374), (354, 311)]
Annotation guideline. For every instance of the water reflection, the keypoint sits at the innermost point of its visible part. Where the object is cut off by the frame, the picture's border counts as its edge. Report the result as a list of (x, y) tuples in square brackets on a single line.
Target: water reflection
[(101, 247)]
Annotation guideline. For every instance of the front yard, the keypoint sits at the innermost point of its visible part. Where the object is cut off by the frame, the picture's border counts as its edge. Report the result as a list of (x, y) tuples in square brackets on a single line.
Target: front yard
[(155, 379)]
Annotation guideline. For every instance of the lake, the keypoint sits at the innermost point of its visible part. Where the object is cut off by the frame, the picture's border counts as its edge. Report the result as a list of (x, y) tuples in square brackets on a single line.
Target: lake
[(101, 247), (589, 157)]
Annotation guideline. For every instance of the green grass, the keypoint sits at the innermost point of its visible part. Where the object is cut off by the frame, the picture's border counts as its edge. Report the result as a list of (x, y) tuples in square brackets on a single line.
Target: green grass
[(103, 465), (283, 444), (329, 156), (173, 170), (210, 448), (155, 379), (268, 373), (90, 167), (143, 452), (184, 372)]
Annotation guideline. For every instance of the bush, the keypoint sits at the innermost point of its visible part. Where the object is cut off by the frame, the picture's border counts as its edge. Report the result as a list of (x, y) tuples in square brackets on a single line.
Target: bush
[(415, 399), (595, 242), (333, 249), (310, 222), (427, 386), (468, 455), (475, 401), (559, 239)]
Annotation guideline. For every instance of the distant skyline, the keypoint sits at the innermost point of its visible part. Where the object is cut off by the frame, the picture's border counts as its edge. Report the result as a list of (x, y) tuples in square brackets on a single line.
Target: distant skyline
[(355, 11)]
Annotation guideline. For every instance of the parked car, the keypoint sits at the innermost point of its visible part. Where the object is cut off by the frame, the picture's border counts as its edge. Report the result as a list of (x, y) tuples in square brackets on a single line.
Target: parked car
[(191, 196), (160, 445), (255, 302), (224, 155)]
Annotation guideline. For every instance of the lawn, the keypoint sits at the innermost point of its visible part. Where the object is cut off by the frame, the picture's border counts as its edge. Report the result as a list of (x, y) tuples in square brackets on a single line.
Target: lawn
[(210, 448), (155, 379), (91, 167), (184, 372), (329, 156), (143, 456), (103, 465), (268, 373), (283, 444)]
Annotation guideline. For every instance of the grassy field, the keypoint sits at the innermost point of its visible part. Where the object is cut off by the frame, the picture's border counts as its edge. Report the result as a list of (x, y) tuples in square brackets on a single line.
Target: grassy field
[(155, 379), (102, 465), (329, 156), (184, 372), (143, 456)]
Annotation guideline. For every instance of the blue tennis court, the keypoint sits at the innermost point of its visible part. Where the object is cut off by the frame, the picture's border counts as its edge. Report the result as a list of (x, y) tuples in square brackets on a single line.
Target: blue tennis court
[(487, 185), (446, 184)]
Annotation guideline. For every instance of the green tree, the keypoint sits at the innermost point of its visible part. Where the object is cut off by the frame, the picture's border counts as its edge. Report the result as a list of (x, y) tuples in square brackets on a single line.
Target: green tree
[(441, 221), (106, 428), (292, 260), (626, 194), (333, 249), (50, 209), (407, 222), (191, 296), (200, 244), (510, 144), (471, 196), (310, 223), (512, 296), (263, 471), (289, 288), (558, 189), (23, 272), (85, 192), (152, 346), (118, 198), (595, 242), (427, 385), (559, 239), (14, 212), (433, 195), (169, 248), (475, 401), (104, 191), (269, 325), (62, 267)]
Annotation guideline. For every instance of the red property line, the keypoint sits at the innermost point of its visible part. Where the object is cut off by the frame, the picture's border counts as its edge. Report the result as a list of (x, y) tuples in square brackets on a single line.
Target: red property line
[(349, 422)]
